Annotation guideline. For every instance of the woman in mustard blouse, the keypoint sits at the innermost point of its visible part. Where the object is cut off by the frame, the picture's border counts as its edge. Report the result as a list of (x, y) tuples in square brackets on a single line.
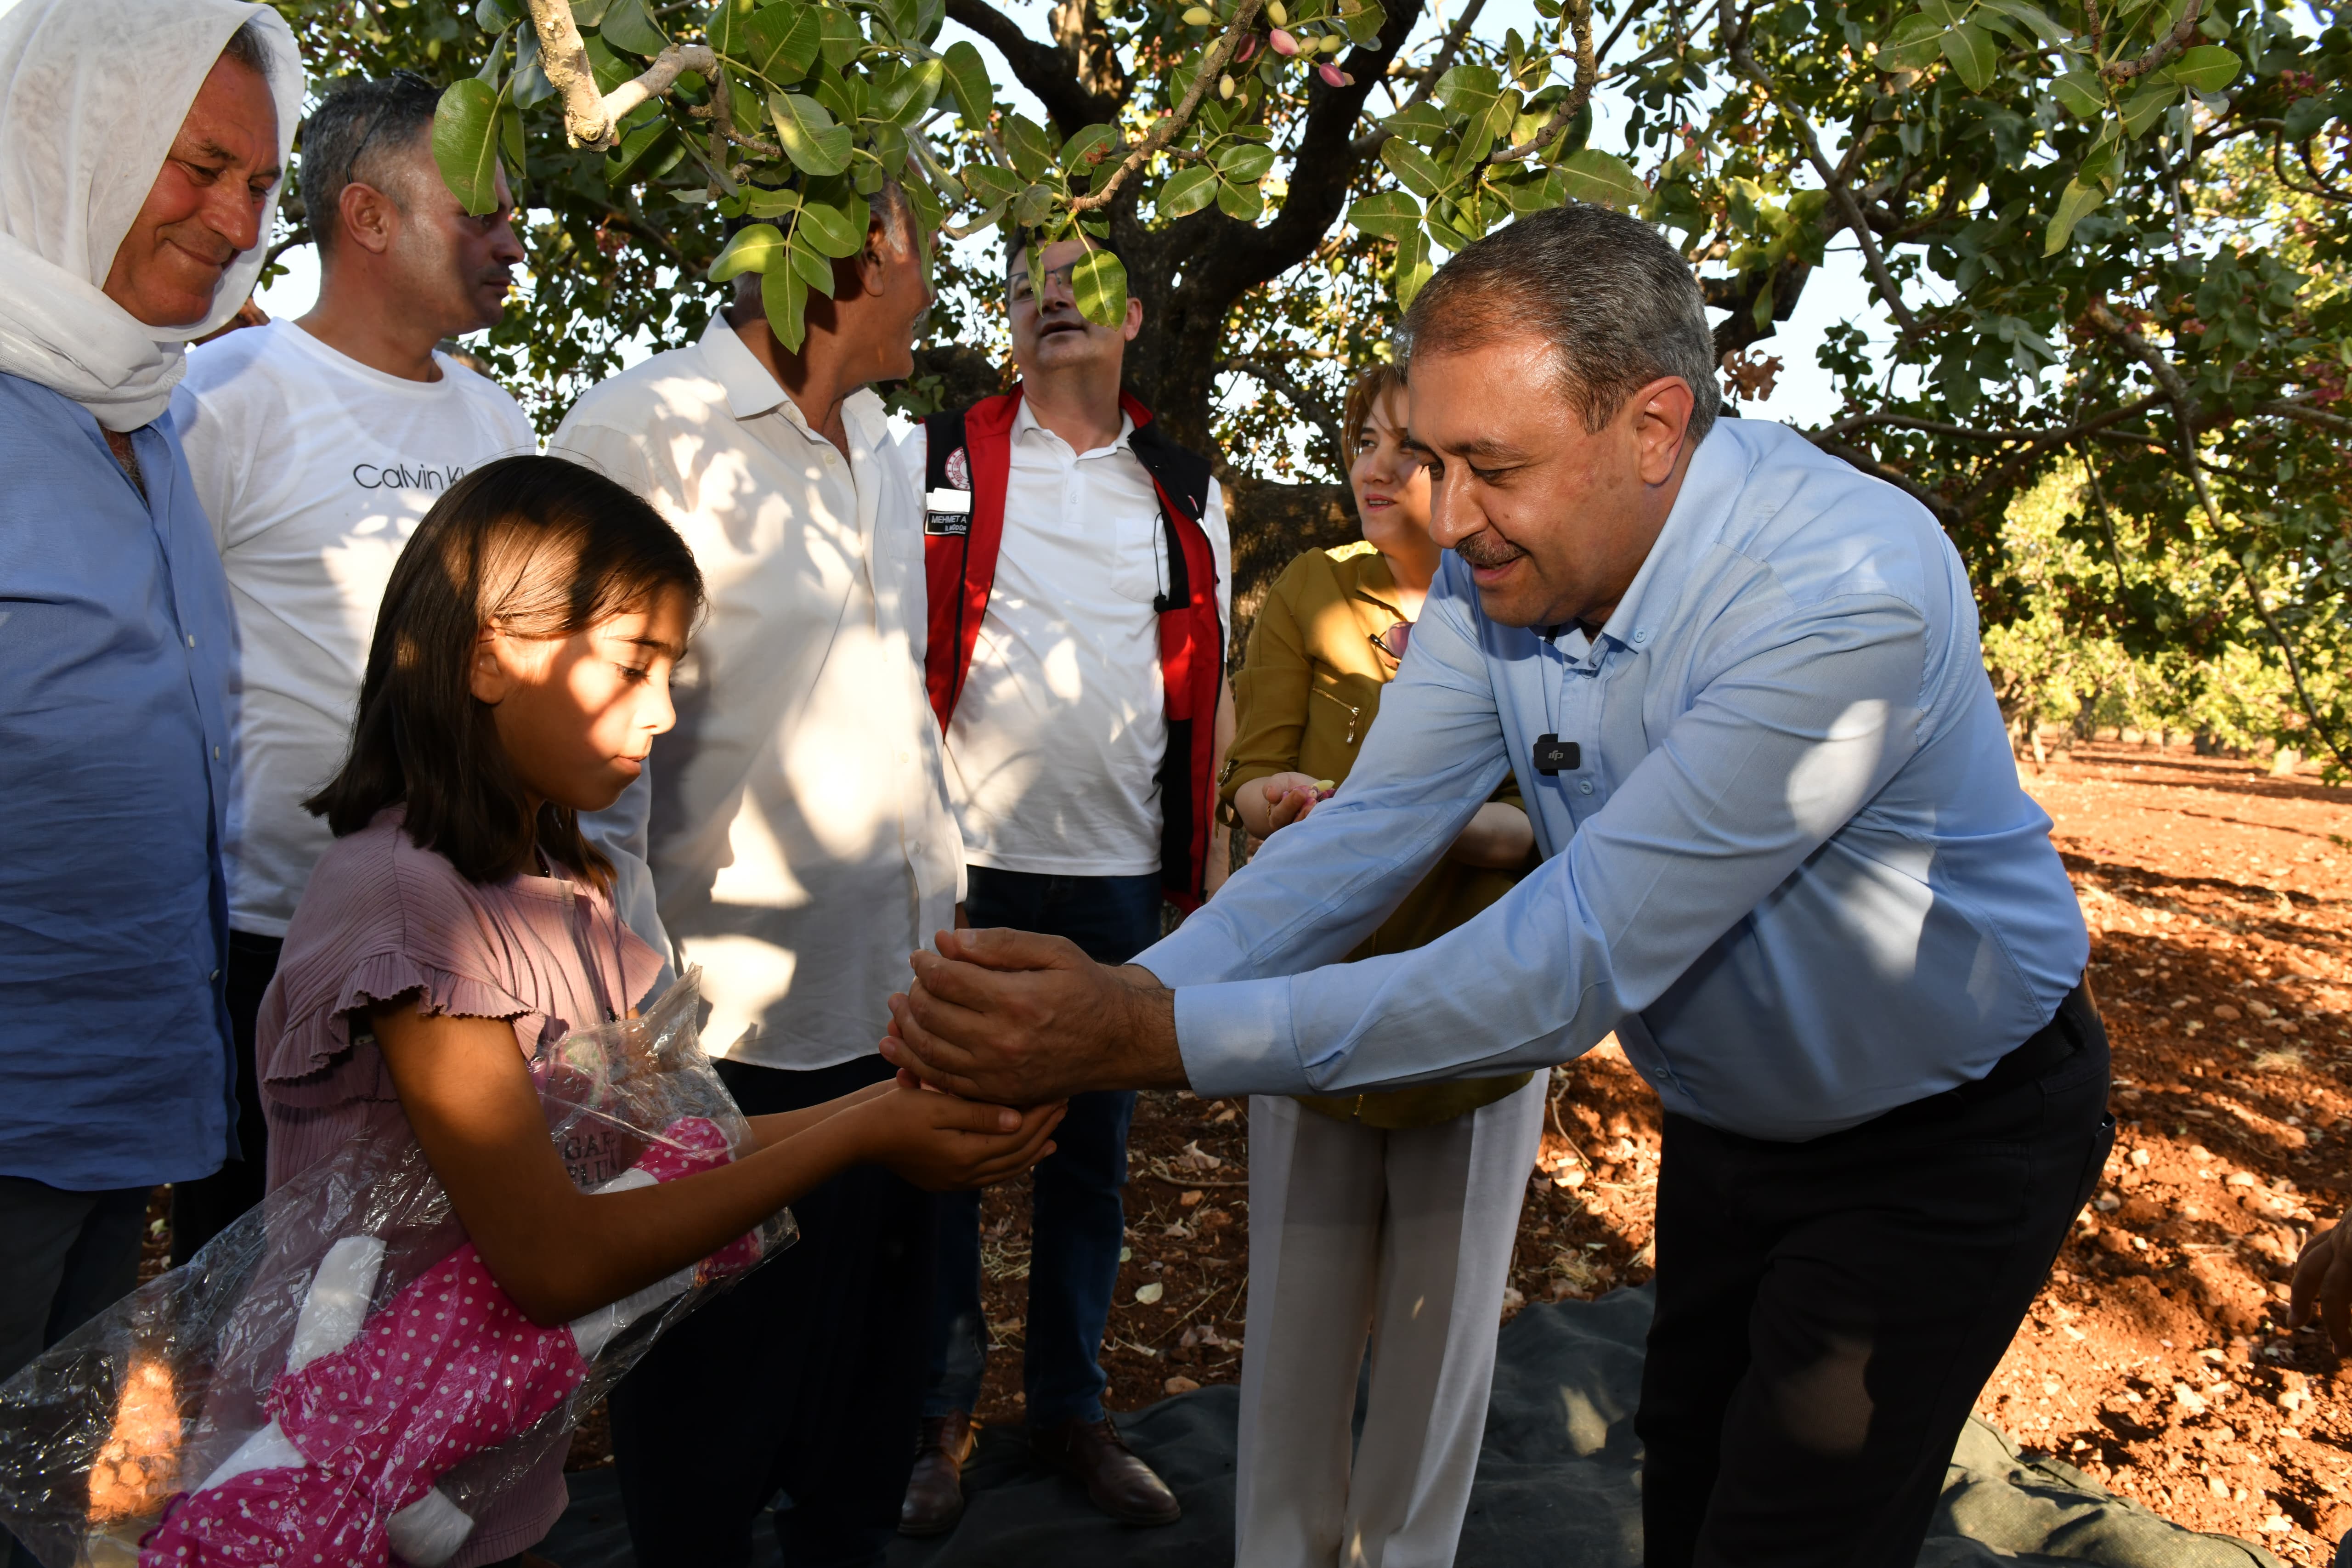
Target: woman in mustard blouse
[(1385, 1216)]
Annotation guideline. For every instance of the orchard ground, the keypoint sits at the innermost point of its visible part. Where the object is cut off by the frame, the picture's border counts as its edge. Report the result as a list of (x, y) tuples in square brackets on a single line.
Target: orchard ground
[(2154, 1360)]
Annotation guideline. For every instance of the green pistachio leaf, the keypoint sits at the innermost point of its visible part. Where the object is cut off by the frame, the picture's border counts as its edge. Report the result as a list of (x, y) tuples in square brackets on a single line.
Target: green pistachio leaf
[(2207, 69), (755, 248), (2142, 108), (1241, 203), (1075, 150), (1099, 283), (783, 294), (1915, 45), (2077, 202), (1188, 190), (1390, 213), (808, 134), (913, 93), (836, 230), (1364, 25), (990, 184), (1026, 142), (779, 44), (1413, 267), (1032, 206), (842, 39), (2081, 94), (1244, 162), (759, 201), (2033, 17), (1974, 53), (466, 142), (1469, 91), (627, 26), (640, 150), (968, 78), (1424, 123), (1418, 170), (1592, 175), (815, 270)]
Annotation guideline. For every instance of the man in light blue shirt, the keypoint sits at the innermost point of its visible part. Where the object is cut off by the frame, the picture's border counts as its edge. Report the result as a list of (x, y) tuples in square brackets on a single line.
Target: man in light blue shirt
[(116, 636), (1788, 864)]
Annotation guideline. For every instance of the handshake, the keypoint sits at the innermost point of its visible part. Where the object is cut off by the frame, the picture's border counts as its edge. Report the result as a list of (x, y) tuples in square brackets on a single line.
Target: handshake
[(1019, 1019)]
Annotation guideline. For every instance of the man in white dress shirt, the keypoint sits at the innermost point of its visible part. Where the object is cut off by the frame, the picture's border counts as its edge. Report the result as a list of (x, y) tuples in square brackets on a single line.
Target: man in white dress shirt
[(316, 446), (1078, 566), (799, 840)]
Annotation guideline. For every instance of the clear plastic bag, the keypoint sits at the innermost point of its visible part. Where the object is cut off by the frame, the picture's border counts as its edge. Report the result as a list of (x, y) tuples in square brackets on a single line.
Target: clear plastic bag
[(336, 1374)]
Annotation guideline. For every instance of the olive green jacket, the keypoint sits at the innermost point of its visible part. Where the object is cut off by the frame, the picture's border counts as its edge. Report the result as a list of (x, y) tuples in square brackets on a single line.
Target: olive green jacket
[(1306, 694)]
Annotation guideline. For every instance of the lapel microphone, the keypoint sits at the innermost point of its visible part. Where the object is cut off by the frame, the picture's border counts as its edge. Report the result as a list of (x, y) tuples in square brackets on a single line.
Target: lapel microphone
[(1554, 754)]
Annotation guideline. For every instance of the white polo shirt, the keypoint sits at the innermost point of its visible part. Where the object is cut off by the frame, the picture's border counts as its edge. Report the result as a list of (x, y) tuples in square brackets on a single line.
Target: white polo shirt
[(1054, 751), (794, 822)]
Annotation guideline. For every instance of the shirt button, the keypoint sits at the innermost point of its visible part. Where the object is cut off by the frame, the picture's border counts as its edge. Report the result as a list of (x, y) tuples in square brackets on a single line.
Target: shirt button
[(1641, 634), (192, 639), (216, 753), (1584, 786), (214, 975)]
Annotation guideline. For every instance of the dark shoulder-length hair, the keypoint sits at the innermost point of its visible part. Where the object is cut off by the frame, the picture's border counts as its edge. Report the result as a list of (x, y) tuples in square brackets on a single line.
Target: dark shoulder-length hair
[(538, 547)]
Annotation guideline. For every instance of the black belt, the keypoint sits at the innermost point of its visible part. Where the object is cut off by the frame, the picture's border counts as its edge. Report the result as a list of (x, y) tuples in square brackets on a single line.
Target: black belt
[(2073, 1028)]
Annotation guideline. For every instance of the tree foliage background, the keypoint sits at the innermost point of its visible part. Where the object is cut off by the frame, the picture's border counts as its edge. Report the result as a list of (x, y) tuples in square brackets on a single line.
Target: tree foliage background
[(2107, 238)]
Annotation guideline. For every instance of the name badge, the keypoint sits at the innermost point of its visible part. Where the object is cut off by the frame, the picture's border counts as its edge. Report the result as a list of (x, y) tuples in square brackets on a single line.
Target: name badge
[(946, 513)]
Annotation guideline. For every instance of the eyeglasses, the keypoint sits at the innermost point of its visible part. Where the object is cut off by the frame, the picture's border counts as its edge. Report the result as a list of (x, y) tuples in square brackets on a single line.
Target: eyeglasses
[(1020, 288), (1393, 641)]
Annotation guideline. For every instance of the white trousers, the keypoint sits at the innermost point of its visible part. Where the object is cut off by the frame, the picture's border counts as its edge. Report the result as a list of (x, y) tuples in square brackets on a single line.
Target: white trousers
[(1404, 1238)]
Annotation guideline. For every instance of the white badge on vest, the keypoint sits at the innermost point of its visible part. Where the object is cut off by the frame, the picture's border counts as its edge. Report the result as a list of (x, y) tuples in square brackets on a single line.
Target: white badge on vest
[(946, 513)]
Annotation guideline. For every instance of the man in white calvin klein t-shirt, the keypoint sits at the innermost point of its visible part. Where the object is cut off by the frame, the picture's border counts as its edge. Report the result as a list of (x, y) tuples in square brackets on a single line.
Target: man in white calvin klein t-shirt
[(316, 446)]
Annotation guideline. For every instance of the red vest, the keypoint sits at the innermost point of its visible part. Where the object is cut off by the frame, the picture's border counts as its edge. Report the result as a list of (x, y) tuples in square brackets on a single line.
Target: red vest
[(972, 450)]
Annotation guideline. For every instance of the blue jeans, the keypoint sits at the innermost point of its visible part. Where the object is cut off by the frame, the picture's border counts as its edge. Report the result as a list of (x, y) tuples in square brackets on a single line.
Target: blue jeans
[(1078, 1221)]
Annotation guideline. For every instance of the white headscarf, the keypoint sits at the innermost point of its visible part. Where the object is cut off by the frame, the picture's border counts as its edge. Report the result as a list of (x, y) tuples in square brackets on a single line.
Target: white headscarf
[(92, 93)]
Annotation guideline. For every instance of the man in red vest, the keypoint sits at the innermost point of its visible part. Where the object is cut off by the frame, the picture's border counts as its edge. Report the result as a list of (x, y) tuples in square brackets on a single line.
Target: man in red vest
[(1077, 563)]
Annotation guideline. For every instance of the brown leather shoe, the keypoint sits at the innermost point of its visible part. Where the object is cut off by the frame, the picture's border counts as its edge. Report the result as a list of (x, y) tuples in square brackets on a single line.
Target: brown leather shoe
[(1092, 1454), (934, 1499)]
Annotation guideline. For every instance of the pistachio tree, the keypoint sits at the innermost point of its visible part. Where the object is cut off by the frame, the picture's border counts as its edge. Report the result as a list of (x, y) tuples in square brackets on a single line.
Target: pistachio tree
[(2105, 235)]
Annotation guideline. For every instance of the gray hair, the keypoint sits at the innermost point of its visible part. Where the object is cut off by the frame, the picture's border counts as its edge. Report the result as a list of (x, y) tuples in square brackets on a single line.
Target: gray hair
[(346, 139), (249, 46), (1617, 304)]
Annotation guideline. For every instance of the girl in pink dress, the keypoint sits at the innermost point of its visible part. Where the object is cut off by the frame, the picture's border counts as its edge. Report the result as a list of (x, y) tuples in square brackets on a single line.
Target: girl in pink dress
[(518, 673)]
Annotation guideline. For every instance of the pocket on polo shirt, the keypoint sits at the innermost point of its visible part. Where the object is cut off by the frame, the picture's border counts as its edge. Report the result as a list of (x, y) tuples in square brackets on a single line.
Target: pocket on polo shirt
[(1139, 566)]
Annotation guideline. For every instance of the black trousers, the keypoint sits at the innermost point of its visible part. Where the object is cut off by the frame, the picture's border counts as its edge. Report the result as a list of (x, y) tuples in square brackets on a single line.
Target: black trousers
[(205, 1207), (805, 1378), (1827, 1310)]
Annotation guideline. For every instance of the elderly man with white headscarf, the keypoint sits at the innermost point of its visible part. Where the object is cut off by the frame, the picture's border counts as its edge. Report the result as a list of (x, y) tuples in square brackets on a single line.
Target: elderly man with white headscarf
[(140, 145)]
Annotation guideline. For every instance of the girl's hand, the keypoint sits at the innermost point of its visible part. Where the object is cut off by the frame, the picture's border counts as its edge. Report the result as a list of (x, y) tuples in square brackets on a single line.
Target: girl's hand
[(1277, 801), (941, 1143)]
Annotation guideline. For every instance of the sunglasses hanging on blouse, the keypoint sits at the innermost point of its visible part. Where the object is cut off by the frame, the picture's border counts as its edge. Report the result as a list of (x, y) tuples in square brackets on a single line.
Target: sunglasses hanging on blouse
[(1393, 641)]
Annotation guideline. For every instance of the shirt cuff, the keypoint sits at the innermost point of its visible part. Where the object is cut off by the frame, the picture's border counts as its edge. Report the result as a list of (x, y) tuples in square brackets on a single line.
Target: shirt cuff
[(1235, 1039)]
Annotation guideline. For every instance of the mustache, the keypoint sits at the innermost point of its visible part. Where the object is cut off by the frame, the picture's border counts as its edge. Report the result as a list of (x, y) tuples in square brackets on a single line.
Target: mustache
[(1486, 550)]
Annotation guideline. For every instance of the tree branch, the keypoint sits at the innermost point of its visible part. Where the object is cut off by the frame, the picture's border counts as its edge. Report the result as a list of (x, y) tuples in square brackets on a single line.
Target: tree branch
[(2303, 414), (1839, 192), (1312, 408), (1618, 31), (1579, 92), (1042, 67), (1165, 129), (592, 118), (2163, 49), (1368, 144)]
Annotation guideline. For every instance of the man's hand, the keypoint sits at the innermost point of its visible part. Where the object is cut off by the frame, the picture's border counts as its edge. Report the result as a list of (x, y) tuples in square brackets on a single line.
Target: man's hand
[(2323, 1276), (1022, 1019)]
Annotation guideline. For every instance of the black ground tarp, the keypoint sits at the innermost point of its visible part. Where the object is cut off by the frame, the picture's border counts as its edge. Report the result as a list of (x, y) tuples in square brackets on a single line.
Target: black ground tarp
[(1558, 1483)]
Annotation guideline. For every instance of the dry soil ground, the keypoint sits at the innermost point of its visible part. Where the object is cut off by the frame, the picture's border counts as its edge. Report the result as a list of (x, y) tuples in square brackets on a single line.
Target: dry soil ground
[(2156, 1358)]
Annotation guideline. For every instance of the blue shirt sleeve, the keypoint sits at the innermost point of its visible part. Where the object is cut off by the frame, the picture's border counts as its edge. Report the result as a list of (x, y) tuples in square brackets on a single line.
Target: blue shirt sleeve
[(1805, 719)]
